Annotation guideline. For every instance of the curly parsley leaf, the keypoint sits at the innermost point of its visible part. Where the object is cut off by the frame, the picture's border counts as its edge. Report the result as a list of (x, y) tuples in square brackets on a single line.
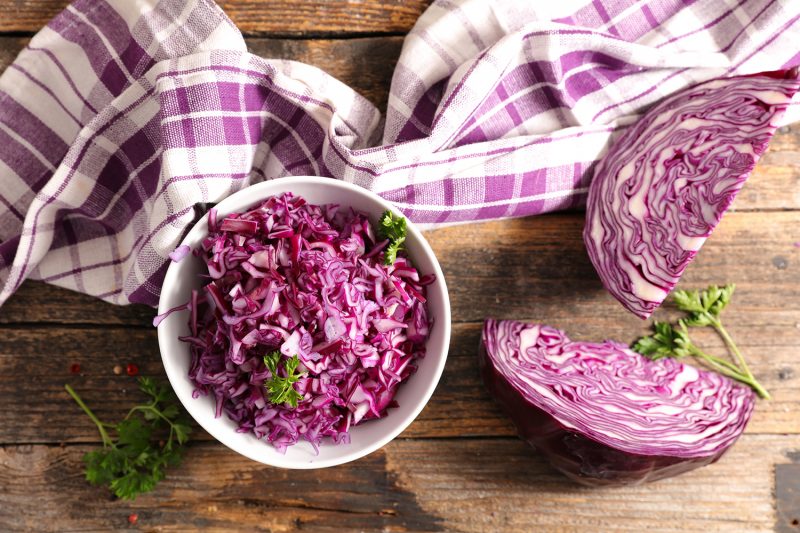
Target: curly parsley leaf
[(703, 309), (281, 388), (271, 361), (666, 341), (392, 228), (703, 306), (148, 440)]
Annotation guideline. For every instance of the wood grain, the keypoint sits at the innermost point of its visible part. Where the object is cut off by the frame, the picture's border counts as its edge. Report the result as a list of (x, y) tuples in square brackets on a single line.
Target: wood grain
[(536, 270), (260, 17), (775, 182), (533, 267), (320, 18), (458, 467), (38, 303), (787, 495), (41, 412), (365, 64), (214, 489), (496, 485), (469, 485)]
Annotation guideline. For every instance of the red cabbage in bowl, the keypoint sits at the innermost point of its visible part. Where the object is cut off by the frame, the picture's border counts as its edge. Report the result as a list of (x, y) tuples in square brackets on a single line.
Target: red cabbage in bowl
[(310, 282)]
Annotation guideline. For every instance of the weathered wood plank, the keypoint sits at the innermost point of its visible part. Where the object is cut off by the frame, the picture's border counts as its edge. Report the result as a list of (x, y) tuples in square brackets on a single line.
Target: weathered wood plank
[(418, 485), (213, 490), (323, 17), (787, 495), (557, 287), (538, 267), (365, 64), (536, 270), (260, 17), (9, 48), (533, 267), (29, 16), (38, 410), (36, 302), (41, 407), (775, 182), (498, 486)]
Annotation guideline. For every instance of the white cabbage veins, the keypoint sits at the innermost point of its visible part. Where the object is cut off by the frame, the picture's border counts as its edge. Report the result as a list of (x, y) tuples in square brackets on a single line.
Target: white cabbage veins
[(664, 186), (614, 396)]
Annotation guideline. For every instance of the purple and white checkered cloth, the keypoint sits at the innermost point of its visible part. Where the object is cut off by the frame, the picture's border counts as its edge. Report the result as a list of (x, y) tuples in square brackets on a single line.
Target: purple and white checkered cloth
[(121, 117)]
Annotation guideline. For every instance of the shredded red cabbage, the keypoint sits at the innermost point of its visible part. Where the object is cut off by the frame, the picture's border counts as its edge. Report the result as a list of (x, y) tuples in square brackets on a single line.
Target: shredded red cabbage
[(180, 253), (308, 280)]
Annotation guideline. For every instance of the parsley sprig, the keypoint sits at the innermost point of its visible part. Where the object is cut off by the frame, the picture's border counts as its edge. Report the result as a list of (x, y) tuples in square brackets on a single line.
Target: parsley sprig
[(393, 229), (703, 309), (281, 388), (135, 461)]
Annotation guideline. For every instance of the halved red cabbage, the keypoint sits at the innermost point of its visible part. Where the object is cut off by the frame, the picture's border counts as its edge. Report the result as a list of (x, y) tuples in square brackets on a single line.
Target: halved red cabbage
[(605, 415), (309, 281), (665, 184)]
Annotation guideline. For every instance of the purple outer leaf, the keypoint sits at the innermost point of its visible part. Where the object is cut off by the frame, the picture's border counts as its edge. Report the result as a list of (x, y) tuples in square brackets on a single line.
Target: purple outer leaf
[(665, 184), (605, 415)]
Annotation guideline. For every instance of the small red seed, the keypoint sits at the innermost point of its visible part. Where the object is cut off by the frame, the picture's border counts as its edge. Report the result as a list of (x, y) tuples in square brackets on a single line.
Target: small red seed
[(74, 368), (133, 518), (132, 369)]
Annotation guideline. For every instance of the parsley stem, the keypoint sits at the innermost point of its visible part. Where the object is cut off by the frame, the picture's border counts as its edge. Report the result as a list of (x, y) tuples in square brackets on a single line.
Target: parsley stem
[(760, 390), (717, 325), (717, 361), (703, 309), (727, 369), (721, 366), (100, 425), (751, 380), (153, 409)]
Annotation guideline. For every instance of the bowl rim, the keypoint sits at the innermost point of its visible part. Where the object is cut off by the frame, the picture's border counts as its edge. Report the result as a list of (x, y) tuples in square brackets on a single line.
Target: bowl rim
[(257, 193)]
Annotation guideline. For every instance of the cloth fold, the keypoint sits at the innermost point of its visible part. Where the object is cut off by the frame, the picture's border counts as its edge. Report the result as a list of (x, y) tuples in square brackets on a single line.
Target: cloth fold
[(120, 118)]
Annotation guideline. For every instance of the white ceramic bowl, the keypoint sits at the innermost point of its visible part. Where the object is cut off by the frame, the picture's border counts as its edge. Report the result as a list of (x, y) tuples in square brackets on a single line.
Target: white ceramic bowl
[(365, 438)]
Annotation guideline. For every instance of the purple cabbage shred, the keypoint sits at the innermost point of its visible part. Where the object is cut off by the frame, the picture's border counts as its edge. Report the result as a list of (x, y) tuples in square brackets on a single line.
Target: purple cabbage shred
[(309, 281)]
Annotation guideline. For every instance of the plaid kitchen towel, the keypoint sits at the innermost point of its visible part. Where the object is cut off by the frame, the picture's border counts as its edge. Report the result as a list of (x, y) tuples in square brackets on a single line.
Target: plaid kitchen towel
[(120, 117)]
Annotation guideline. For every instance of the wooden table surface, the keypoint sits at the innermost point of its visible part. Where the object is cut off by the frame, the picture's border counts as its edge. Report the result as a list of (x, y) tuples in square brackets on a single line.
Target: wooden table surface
[(459, 467)]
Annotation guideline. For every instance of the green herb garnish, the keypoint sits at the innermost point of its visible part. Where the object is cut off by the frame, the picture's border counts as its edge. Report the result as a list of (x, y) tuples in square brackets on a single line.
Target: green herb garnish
[(271, 361), (703, 309), (393, 229), (135, 462), (281, 389), (666, 341)]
